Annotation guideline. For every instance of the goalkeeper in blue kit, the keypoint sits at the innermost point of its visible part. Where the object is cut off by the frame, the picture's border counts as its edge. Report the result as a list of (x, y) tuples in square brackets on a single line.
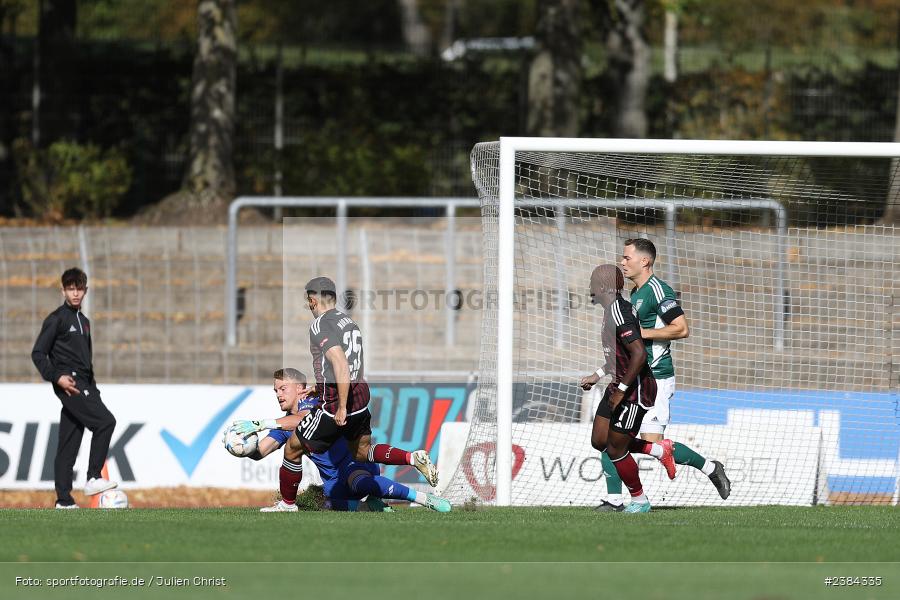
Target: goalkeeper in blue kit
[(346, 482)]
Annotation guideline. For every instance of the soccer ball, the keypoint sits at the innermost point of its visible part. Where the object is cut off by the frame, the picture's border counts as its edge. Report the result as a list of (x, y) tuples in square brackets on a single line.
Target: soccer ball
[(240, 445), (113, 499)]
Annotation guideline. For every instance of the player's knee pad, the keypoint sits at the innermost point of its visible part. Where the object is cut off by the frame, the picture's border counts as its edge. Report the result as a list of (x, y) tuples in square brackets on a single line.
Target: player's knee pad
[(355, 477)]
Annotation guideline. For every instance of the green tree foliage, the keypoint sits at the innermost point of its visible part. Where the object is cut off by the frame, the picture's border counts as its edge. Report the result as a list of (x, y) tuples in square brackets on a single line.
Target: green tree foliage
[(391, 116), (831, 27), (334, 23), (489, 18), (363, 117), (18, 17), (56, 78), (329, 163), (138, 20), (71, 180)]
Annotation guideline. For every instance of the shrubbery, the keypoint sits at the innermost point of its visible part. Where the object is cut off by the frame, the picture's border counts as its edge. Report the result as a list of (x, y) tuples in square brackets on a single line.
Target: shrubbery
[(70, 180)]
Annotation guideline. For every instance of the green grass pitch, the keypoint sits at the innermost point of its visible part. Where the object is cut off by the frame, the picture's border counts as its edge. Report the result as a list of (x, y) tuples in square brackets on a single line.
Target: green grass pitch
[(755, 553)]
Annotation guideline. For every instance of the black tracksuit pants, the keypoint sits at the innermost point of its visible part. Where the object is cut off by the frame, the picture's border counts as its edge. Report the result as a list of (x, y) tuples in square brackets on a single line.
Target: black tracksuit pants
[(80, 411)]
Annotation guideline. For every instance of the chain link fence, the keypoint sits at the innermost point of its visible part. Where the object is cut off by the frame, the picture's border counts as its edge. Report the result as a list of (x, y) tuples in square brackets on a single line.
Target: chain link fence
[(157, 297)]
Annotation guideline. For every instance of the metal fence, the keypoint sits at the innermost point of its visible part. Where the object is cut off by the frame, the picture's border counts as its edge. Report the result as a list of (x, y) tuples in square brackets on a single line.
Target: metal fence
[(156, 296), (153, 293), (340, 206)]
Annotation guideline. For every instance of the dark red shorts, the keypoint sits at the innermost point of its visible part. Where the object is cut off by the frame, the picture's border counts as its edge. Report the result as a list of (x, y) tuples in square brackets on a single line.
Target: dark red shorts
[(318, 430)]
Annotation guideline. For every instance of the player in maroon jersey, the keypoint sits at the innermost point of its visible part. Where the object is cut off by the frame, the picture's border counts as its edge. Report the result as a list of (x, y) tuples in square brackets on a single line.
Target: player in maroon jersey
[(632, 390), (338, 363)]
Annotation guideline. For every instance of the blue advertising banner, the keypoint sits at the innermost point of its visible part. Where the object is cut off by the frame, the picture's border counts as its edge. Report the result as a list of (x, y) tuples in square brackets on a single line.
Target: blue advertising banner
[(410, 417)]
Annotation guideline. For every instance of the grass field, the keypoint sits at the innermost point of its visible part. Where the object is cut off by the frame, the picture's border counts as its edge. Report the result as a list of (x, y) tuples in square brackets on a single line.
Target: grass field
[(763, 552)]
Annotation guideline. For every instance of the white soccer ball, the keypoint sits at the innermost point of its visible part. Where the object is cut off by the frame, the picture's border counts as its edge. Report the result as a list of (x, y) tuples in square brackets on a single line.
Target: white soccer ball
[(241, 445), (113, 499)]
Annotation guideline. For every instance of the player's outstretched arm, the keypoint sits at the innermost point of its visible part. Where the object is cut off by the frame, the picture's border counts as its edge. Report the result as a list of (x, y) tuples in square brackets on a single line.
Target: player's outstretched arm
[(636, 362), (676, 330), (288, 422), (245, 427), (266, 447), (588, 381)]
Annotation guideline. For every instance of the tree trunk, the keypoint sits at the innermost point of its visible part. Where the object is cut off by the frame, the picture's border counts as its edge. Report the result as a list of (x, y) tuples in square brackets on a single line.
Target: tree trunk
[(55, 112), (629, 58), (415, 33), (891, 214), (210, 174), (451, 17), (10, 79), (554, 79), (670, 45)]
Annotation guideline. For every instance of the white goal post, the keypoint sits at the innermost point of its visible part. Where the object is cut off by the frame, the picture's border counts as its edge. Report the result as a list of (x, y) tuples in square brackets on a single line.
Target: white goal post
[(512, 195)]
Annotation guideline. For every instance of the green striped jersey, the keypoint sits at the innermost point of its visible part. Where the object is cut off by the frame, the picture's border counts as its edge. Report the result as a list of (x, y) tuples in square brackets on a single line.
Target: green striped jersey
[(657, 307)]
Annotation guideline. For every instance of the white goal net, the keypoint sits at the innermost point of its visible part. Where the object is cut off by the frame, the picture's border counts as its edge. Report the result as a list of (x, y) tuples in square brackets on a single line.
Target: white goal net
[(790, 283)]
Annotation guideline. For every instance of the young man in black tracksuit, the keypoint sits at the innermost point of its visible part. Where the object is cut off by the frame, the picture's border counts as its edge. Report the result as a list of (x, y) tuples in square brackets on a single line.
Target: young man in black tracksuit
[(62, 354)]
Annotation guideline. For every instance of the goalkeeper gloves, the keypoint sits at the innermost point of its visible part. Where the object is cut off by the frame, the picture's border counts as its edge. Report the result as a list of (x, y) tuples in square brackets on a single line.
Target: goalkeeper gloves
[(245, 427), (377, 505)]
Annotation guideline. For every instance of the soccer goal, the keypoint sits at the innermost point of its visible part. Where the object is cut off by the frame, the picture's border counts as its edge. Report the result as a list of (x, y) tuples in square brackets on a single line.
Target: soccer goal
[(789, 278)]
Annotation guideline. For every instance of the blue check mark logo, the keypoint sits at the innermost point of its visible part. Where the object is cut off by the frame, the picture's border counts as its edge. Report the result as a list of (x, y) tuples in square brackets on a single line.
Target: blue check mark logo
[(189, 455)]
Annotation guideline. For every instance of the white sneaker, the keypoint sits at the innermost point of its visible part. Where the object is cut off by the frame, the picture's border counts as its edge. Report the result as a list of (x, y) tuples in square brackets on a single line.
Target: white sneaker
[(423, 464), (66, 506), (96, 485), (280, 506)]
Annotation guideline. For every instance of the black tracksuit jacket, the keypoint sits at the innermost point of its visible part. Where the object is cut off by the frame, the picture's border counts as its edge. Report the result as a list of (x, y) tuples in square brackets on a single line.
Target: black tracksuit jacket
[(64, 346)]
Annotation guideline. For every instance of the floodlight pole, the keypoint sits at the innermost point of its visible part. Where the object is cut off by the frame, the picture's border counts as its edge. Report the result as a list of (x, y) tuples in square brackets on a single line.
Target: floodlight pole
[(562, 285), (450, 277), (341, 283), (85, 265)]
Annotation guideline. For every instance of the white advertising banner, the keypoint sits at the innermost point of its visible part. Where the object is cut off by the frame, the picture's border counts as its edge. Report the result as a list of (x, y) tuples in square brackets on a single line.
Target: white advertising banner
[(571, 474), (166, 435)]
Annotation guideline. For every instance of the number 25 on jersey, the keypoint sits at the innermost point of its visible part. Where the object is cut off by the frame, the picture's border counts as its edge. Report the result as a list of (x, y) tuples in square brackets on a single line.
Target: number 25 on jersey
[(353, 352)]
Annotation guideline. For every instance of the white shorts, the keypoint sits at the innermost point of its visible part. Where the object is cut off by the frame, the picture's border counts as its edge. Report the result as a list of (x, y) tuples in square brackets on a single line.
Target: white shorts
[(657, 418)]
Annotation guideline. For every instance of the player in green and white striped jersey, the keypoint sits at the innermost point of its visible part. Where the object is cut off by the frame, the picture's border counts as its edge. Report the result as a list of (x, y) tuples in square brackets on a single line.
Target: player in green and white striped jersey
[(662, 321)]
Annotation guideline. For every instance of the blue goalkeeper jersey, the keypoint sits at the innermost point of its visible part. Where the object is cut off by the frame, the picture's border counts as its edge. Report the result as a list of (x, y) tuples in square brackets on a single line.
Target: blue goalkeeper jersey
[(281, 436), (335, 464)]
